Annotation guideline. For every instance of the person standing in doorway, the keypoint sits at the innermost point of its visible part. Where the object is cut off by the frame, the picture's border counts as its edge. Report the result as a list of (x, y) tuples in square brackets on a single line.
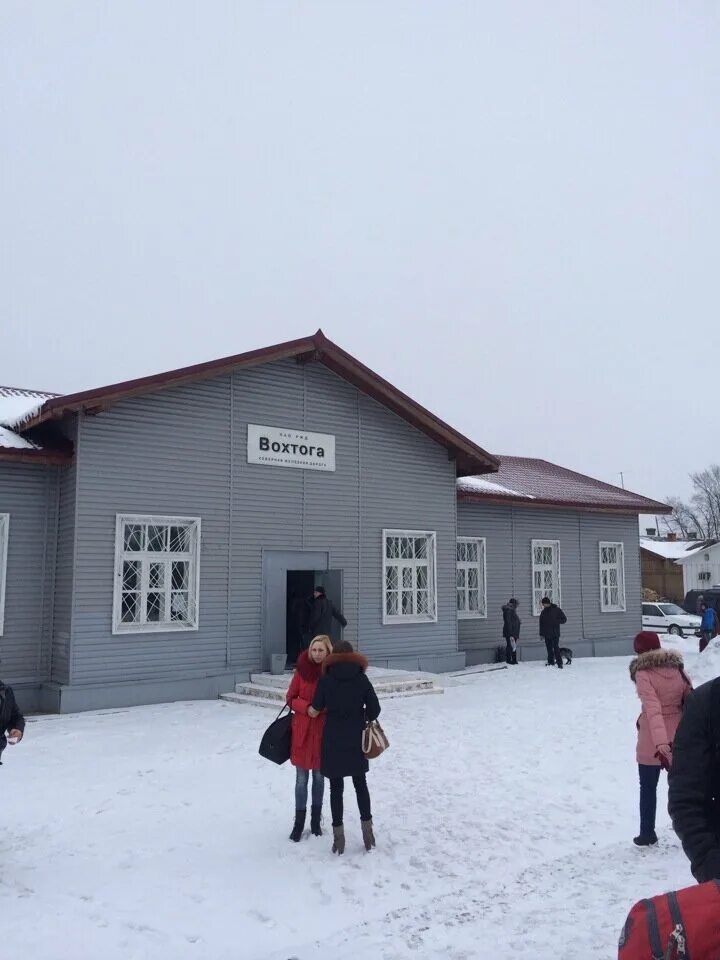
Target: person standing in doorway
[(306, 736), (322, 614), (551, 619), (709, 626), (511, 630), (349, 700), (12, 722)]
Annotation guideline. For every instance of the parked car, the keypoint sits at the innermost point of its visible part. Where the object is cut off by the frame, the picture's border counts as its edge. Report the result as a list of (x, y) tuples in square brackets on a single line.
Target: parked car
[(669, 618), (711, 596)]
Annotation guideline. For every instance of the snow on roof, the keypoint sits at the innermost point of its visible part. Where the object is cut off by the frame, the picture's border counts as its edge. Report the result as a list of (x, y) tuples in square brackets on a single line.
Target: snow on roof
[(16, 406), (668, 549), (481, 485), (13, 441), (524, 479), (698, 548)]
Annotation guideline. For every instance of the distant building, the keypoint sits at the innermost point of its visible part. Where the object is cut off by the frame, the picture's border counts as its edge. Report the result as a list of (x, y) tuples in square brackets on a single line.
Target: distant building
[(660, 570), (700, 566)]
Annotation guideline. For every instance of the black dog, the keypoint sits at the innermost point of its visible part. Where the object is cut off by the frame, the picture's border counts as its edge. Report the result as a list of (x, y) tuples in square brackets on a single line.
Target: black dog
[(567, 653)]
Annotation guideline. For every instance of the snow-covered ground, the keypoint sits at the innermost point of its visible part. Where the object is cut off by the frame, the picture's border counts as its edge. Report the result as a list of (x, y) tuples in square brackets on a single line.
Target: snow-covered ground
[(504, 813)]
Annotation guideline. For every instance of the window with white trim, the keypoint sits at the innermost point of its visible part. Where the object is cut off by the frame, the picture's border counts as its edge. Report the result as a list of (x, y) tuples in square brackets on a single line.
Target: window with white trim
[(471, 585), (409, 582), (612, 577), (4, 531), (545, 573), (157, 574)]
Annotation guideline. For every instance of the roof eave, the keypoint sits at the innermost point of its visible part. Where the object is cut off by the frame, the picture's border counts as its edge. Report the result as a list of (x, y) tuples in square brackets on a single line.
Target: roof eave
[(46, 457), (562, 504), (470, 459)]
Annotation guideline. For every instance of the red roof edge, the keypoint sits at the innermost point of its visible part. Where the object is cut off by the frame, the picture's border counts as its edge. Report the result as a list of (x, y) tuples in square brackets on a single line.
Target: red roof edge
[(646, 506), (47, 457), (470, 459)]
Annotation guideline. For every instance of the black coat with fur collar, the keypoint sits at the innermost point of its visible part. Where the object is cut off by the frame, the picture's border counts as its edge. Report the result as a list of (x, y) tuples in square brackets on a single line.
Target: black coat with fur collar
[(349, 699)]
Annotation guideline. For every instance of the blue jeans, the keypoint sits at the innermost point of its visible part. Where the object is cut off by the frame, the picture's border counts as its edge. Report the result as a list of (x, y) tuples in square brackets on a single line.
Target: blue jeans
[(649, 777), (301, 788)]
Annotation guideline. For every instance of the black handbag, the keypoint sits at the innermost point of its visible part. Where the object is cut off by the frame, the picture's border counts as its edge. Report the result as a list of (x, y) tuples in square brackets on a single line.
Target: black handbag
[(275, 743)]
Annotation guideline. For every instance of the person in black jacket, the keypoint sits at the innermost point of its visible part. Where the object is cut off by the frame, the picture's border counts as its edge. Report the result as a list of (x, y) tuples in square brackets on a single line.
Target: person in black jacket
[(12, 722), (694, 781), (511, 630), (348, 697), (551, 619), (322, 614)]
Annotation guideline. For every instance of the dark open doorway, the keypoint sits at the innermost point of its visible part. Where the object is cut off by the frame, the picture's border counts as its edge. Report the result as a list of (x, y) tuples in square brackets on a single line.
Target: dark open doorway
[(299, 592), (300, 585)]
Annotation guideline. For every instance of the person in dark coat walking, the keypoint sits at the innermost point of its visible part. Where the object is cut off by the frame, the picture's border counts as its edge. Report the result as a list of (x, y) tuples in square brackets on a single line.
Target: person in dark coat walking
[(322, 614), (348, 697), (12, 722), (306, 736), (551, 619), (511, 630), (694, 781)]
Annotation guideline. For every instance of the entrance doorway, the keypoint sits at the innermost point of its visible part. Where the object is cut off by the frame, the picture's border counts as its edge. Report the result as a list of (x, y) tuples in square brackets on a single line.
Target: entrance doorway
[(299, 592), (288, 580)]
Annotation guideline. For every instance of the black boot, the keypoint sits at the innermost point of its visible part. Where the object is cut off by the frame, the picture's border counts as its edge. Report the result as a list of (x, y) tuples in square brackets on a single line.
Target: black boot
[(646, 841), (315, 813), (297, 830)]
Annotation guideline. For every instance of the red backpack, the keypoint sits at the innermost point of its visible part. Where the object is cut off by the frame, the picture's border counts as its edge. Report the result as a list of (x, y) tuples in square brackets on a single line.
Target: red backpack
[(675, 926)]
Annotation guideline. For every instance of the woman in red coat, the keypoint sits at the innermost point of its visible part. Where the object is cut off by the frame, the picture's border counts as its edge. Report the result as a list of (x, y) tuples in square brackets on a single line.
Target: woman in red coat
[(307, 735)]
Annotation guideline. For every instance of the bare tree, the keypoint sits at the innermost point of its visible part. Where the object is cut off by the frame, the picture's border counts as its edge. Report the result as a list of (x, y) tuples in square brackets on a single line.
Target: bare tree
[(700, 515)]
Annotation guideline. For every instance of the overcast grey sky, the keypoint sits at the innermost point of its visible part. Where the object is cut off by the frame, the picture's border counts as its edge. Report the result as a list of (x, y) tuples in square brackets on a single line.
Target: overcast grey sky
[(510, 210)]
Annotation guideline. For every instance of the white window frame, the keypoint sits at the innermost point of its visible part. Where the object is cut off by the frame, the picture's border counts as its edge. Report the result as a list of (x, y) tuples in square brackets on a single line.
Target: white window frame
[(167, 625), (4, 537), (621, 607), (431, 562), (481, 567), (537, 595)]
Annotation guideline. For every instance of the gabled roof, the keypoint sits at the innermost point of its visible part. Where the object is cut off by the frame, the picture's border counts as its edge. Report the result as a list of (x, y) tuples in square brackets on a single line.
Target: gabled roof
[(18, 403), (698, 547), (469, 458), (538, 483)]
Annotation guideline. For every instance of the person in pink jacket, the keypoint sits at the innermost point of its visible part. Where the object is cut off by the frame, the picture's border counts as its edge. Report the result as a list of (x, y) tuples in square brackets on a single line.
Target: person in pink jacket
[(662, 686)]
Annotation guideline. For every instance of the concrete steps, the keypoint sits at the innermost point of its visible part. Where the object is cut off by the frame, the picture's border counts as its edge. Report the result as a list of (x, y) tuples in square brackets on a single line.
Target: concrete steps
[(268, 690)]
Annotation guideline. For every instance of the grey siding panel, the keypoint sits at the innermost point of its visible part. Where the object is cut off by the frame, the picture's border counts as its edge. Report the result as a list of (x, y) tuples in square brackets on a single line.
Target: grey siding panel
[(534, 524), (166, 453), (28, 493), (407, 483), (266, 501), (64, 567), (609, 626), (510, 531), (495, 524)]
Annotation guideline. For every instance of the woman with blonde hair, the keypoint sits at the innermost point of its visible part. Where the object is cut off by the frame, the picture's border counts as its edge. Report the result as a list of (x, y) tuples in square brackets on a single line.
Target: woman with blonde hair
[(307, 735)]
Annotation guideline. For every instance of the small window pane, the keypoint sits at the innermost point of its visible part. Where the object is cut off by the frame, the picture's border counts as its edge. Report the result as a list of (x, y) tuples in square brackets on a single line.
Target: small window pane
[(179, 540), (130, 608), (180, 575), (134, 537), (157, 538), (131, 575), (391, 578), (179, 607)]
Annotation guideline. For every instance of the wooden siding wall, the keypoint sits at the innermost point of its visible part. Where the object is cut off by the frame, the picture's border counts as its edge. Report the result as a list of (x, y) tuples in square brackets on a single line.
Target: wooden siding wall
[(509, 532), (182, 451), (28, 493)]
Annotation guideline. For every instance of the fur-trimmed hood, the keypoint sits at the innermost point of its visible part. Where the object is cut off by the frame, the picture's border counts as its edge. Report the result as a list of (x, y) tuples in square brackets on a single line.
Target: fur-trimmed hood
[(307, 668), (345, 660), (655, 660)]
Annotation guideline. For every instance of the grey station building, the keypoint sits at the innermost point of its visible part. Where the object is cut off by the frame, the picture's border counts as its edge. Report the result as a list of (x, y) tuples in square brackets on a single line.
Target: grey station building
[(154, 533)]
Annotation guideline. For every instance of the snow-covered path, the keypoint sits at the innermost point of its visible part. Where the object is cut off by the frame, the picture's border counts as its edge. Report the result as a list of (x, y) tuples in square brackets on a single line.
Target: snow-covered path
[(504, 813)]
